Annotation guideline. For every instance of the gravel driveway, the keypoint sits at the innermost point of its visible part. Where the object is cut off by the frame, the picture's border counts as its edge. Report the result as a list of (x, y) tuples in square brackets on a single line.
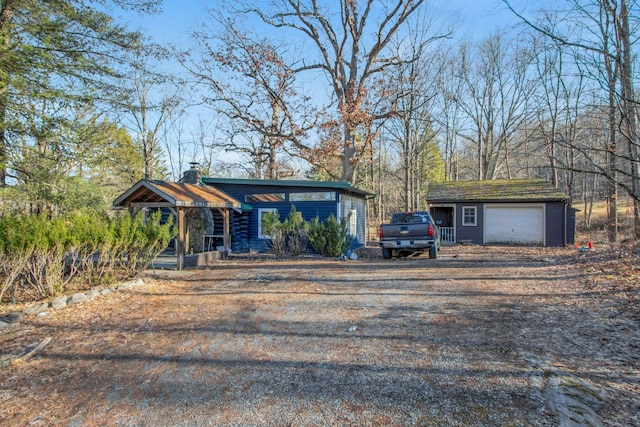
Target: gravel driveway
[(480, 336)]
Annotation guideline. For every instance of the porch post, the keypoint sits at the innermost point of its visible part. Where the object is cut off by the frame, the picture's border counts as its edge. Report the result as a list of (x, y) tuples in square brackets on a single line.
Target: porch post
[(226, 227), (181, 239)]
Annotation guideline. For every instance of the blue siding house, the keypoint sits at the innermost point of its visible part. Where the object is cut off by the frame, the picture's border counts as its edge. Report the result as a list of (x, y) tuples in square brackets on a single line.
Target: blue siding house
[(225, 214), (311, 198), (522, 212)]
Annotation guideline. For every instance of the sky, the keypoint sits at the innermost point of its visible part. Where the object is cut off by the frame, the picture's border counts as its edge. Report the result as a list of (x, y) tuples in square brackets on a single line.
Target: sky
[(180, 17)]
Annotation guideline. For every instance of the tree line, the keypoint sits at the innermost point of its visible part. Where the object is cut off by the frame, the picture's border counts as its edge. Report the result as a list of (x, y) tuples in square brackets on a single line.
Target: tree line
[(385, 94)]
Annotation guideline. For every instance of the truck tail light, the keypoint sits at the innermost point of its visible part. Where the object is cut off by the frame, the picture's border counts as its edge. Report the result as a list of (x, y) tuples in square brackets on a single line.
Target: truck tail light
[(430, 230), (379, 232)]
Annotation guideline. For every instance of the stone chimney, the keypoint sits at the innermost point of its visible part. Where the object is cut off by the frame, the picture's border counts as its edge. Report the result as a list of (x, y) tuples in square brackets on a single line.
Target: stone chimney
[(193, 175)]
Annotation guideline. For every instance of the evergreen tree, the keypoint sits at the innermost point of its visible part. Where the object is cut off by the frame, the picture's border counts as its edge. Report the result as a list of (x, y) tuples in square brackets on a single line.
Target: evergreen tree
[(56, 56)]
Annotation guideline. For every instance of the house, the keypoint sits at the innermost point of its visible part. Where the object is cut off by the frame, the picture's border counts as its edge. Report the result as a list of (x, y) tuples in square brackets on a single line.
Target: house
[(225, 214), (526, 212), (310, 198)]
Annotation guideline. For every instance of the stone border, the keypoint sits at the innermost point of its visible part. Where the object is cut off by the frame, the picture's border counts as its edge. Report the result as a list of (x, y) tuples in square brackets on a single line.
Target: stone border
[(13, 319)]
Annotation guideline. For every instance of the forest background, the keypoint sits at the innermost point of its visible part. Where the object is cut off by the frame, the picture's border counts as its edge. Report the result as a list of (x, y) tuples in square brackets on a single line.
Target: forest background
[(390, 95)]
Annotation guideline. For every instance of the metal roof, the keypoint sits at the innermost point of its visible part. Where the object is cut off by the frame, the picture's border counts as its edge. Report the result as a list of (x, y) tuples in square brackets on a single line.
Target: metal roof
[(155, 193), (518, 190), (334, 185)]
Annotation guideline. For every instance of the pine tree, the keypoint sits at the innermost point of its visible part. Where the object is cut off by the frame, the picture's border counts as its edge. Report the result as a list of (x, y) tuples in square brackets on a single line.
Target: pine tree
[(56, 56)]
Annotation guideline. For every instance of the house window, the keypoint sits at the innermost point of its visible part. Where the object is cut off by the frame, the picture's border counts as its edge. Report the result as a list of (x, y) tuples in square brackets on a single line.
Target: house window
[(261, 213), (273, 197), (313, 196), (353, 223), (469, 215)]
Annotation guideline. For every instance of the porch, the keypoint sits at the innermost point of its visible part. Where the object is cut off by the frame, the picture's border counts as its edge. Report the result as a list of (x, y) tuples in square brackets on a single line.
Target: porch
[(447, 235)]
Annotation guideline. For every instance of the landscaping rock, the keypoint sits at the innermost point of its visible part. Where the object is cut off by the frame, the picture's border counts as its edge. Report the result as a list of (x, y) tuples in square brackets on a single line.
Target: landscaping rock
[(12, 318), (59, 302), (107, 291), (131, 284), (93, 293), (36, 309), (4, 325), (78, 298)]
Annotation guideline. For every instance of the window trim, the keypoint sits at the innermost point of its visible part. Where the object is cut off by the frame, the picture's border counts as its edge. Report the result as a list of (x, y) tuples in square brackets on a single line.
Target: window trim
[(262, 211), (353, 222), (475, 216), (255, 197), (312, 196)]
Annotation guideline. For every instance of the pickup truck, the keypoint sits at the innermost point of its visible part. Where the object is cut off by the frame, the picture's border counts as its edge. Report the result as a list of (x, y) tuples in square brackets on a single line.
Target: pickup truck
[(409, 232)]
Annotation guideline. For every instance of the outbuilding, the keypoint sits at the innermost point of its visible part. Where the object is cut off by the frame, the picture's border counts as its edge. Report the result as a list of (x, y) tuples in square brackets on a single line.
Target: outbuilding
[(522, 212)]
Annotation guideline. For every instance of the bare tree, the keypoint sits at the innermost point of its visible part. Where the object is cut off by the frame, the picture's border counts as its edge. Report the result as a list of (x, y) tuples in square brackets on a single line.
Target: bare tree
[(448, 115), (496, 88), (149, 103), (560, 106), (246, 80), (350, 39), (599, 31), (410, 129)]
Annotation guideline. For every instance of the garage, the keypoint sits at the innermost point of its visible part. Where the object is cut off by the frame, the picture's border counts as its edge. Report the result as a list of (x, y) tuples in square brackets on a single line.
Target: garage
[(520, 212), (519, 224)]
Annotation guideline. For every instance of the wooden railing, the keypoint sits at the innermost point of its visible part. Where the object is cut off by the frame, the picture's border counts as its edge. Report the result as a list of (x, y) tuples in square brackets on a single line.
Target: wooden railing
[(447, 235)]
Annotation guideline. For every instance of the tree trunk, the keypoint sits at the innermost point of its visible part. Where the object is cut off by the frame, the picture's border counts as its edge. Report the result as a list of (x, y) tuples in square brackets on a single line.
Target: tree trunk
[(630, 113), (6, 16), (349, 155), (612, 191)]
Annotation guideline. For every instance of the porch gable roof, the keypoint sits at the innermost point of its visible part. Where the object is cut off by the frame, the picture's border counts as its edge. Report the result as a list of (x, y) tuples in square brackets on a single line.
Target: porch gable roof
[(156, 193)]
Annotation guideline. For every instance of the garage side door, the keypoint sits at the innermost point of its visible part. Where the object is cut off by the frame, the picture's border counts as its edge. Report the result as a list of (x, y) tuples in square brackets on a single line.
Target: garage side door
[(514, 224)]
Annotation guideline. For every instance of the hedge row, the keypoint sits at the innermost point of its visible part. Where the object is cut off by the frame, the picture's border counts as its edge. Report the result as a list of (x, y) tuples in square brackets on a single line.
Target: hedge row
[(40, 257)]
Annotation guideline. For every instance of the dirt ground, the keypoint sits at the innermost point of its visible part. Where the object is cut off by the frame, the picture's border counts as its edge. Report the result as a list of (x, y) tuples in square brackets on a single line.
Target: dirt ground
[(491, 336)]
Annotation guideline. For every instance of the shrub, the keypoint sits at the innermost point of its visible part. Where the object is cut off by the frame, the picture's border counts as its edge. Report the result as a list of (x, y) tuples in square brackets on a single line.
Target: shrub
[(288, 236), (331, 237), (42, 255), (16, 246), (272, 227), (44, 270), (296, 234)]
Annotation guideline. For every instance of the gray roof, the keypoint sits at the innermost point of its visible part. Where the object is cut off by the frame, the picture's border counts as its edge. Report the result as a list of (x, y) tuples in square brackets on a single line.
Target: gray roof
[(518, 190)]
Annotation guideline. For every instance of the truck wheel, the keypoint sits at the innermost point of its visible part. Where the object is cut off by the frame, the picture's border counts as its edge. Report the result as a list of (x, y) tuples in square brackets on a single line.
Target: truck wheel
[(433, 252), (386, 253)]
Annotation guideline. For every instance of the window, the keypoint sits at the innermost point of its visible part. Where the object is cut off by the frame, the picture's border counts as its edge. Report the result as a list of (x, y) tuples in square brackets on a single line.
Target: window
[(469, 215), (261, 213), (274, 197), (313, 196), (353, 223)]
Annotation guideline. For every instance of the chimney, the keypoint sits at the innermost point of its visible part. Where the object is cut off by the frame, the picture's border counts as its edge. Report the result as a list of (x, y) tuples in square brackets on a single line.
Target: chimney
[(193, 175)]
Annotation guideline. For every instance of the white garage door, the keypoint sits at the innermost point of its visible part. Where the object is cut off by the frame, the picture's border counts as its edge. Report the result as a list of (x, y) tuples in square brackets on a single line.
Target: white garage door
[(521, 224)]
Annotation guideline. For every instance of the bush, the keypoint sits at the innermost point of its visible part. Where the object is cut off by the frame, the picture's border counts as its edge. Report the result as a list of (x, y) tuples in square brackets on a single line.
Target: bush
[(272, 227), (295, 229), (287, 237), (331, 237), (42, 256), (328, 238)]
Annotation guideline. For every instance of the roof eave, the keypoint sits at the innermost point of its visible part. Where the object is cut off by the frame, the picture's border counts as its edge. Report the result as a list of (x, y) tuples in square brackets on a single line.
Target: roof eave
[(189, 204), (334, 185), (118, 203), (497, 200)]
